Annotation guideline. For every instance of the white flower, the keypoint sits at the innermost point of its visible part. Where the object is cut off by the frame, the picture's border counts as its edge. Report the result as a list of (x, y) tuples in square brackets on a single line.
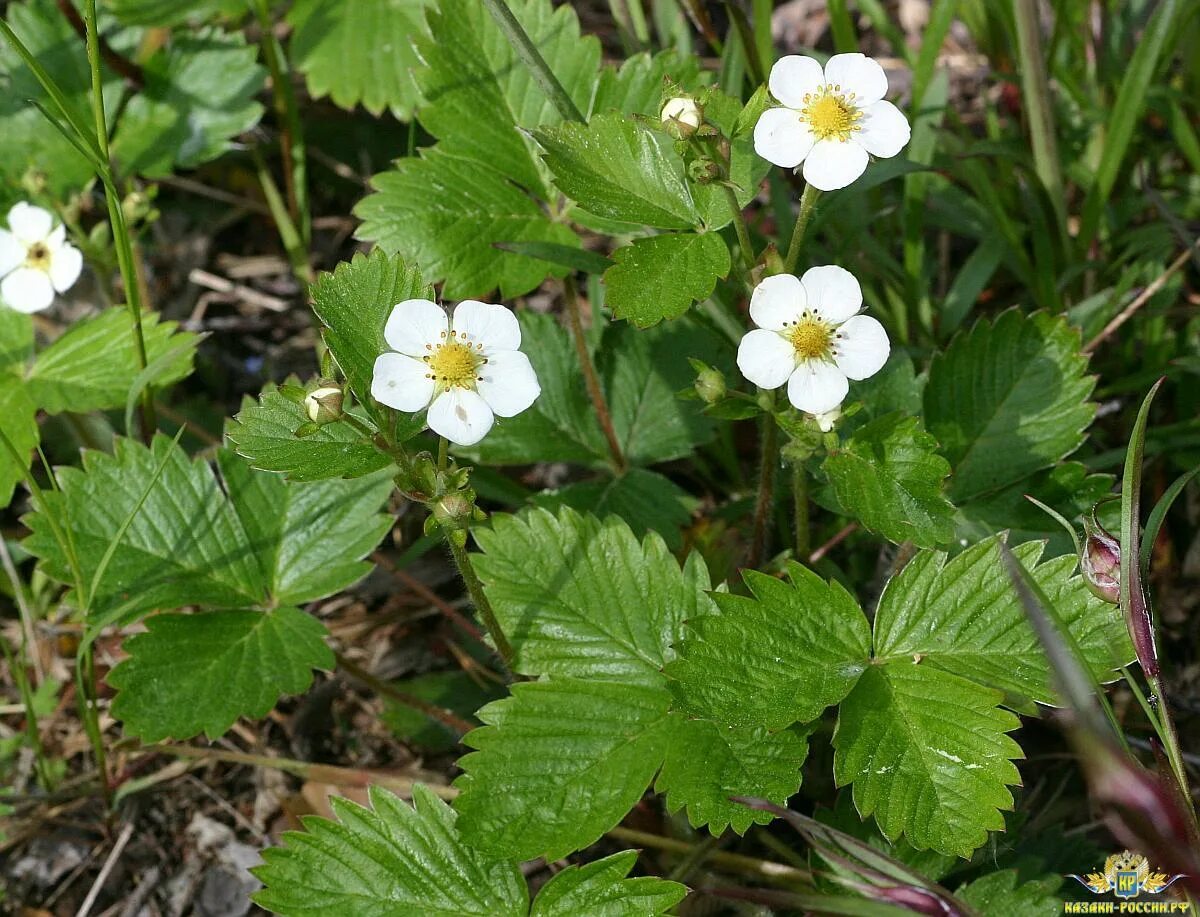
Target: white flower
[(811, 336), (683, 114), (830, 120), (465, 370), (36, 261)]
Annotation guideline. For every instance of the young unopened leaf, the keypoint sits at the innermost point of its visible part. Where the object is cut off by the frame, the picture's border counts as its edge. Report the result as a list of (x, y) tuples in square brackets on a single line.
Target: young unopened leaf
[(389, 859), (661, 276), (379, 73), (1006, 399), (193, 673), (889, 476)]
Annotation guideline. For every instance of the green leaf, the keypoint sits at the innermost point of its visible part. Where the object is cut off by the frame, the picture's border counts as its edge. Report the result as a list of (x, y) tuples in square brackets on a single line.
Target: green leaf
[(192, 673), (661, 276), (577, 259), (266, 542), (962, 616), (16, 341), (563, 759), (454, 690), (90, 367), (927, 754), (199, 94), (387, 860), (446, 214), (637, 87), (647, 501), (620, 169), (778, 657), (264, 434), (353, 303), (600, 889), (890, 477), (1006, 399), (1003, 893), (18, 420), (379, 70), (166, 13)]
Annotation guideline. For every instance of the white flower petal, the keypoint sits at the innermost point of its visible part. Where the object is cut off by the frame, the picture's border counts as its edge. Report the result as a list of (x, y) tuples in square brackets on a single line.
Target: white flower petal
[(817, 386), (766, 358), (778, 299), (484, 323), (833, 293), (57, 237), (856, 73), (460, 415), (863, 347), (793, 77), (29, 223), (508, 383), (27, 290), (66, 262), (12, 252), (413, 324), (780, 137), (884, 130), (401, 382), (834, 164)]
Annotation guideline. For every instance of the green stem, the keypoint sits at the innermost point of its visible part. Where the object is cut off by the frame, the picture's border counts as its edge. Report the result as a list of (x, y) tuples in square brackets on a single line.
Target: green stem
[(16, 668), (743, 232), (591, 380), (443, 453), (807, 201), (1170, 737), (637, 17), (519, 39), (800, 509), (466, 569), (1036, 85), (768, 462)]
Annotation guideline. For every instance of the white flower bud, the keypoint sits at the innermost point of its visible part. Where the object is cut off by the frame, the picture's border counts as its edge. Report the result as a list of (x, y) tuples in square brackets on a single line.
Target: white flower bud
[(826, 419), (682, 116), (324, 404)]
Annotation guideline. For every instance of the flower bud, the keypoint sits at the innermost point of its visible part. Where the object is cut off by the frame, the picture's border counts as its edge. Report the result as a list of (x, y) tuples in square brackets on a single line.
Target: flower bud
[(710, 385), (826, 419), (454, 511), (1101, 561), (682, 116), (324, 405)]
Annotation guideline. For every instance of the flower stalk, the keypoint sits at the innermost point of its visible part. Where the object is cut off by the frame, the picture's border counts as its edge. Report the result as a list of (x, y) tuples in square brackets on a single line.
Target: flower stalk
[(767, 464), (521, 43), (807, 201)]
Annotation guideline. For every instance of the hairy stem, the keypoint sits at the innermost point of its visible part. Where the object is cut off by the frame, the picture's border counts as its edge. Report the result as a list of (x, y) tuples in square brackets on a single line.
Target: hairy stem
[(807, 200), (520, 41), (768, 462), (591, 380), (466, 570), (800, 512)]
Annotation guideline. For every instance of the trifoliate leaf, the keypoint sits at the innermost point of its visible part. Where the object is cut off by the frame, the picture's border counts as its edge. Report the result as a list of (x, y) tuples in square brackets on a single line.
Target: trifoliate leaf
[(481, 96), (889, 476), (353, 303), (16, 341), (1002, 894), (637, 87), (387, 860), (166, 13), (361, 52), (90, 367), (927, 754), (962, 615), (266, 542), (193, 673), (18, 421), (647, 501), (264, 433), (620, 169), (600, 889), (1006, 399), (199, 94), (778, 657), (661, 276), (563, 759), (445, 213)]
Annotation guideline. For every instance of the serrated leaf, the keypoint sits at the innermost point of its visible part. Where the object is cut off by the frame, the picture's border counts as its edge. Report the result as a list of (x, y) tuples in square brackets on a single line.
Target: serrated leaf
[(845, 818), (661, 276), (1003, 894), (265, 542), (927, 754), (199, 94), (353, 303), (600, 889), (1006, 399), (90, 366), (563, 759), (619, 169), (198, 673), (647, 501), (962, 615), (392, 860), (889, 476), (455, 690), (637, 86), (778, 657), (379, 72), (446, 214), (18, 420), (16, 341), (264, 433), (166, 13)]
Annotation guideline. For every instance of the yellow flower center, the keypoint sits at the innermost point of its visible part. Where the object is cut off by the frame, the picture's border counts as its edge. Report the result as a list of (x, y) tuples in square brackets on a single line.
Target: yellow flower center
[(454, 363), (38, 256), (831, 114), (810, 337)]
